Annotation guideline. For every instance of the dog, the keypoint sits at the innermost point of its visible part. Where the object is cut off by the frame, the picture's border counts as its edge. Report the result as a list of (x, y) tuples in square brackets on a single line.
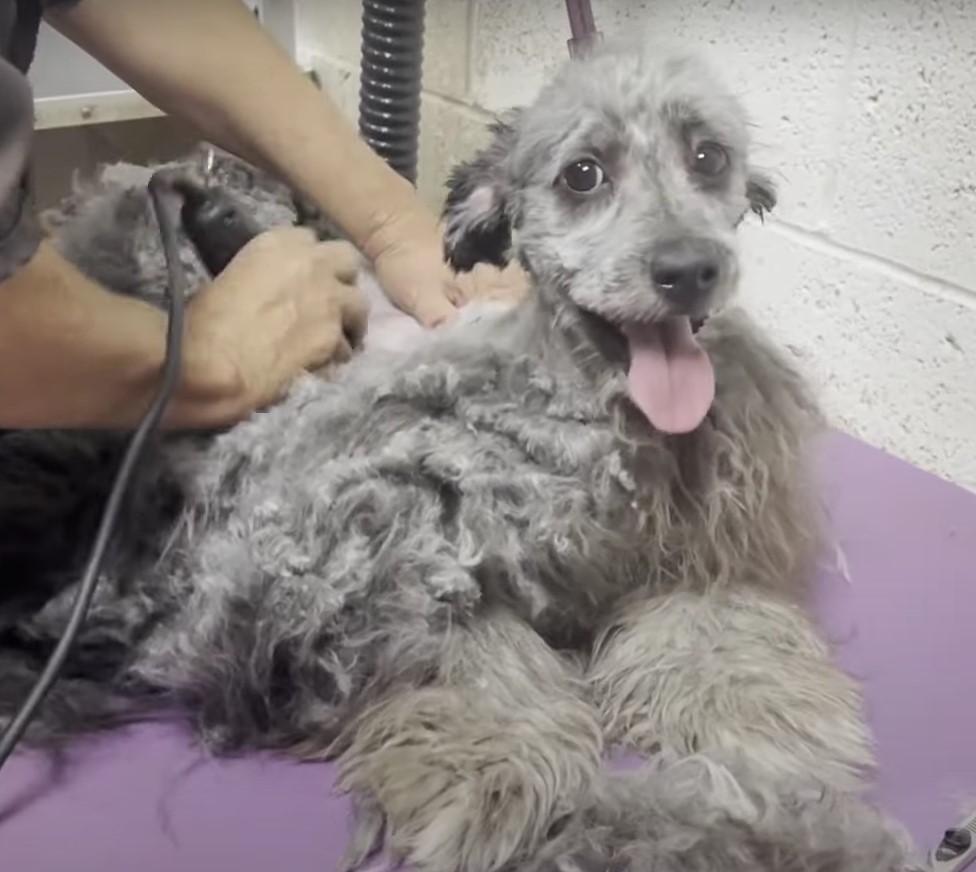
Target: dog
[(467, 569)]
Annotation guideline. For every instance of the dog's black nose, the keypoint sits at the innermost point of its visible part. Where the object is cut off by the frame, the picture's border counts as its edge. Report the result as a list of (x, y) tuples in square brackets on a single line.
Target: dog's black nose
[(686, 270)]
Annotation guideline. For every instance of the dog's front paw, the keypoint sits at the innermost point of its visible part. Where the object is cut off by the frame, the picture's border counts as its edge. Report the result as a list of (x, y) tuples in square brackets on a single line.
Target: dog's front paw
[(457, 784), (732, 673)]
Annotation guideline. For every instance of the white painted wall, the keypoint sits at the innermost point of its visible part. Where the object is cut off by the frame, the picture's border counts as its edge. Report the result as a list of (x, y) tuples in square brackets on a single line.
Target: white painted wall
[(867, 111), (72, 89)]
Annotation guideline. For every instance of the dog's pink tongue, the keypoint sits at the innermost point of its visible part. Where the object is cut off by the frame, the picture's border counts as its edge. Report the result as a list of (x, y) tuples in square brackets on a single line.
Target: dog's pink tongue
[(671, 379)]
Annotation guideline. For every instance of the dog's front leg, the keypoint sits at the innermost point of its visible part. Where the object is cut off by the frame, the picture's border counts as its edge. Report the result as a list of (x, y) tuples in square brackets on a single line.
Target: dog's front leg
[(736, 672), (471, 772)]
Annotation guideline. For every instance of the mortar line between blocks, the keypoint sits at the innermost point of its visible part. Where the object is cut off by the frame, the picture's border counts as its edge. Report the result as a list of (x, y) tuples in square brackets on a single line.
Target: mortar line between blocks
[(942, 288)]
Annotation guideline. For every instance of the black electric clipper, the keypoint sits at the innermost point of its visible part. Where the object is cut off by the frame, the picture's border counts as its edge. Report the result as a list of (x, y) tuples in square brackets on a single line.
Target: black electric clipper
[(216, 224)]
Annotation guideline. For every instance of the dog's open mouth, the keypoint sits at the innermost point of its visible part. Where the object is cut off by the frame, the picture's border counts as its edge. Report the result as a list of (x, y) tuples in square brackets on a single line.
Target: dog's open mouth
[(670, 379)]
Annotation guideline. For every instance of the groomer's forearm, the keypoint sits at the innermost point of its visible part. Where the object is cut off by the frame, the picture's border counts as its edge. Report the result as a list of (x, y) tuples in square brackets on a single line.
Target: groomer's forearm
[(211, 63), (73, 355)]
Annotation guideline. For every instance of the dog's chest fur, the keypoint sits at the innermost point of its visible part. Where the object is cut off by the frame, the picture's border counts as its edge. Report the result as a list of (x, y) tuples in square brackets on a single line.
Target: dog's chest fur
[(426, 488)]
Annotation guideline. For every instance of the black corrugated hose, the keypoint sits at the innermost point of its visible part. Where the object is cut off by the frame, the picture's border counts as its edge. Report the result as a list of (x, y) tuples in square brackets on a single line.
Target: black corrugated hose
[(390, 81)]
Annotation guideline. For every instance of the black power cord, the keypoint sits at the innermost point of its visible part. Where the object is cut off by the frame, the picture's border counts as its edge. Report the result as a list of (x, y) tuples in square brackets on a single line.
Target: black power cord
[(218, 230)]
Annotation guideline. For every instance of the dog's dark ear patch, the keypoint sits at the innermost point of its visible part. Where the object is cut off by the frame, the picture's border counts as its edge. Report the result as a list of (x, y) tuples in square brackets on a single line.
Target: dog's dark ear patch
[(478, 229), (761, 192), (476, 216)]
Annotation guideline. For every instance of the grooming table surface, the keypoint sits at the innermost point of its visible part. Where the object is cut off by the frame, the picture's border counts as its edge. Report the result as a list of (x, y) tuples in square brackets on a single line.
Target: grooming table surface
[(901, 613)]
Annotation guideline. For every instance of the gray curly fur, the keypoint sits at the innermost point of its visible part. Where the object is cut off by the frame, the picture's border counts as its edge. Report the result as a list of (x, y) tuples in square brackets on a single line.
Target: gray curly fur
[(468, 568)]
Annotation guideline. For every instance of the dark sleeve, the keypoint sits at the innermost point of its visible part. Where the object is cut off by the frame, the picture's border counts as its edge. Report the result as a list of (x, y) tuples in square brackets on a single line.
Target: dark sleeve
[(20, 234), (19, 231)]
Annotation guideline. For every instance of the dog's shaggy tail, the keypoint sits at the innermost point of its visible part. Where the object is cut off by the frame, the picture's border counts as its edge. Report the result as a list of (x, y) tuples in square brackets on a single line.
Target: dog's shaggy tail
[(94, 690), (78, 703), (53, 489), (53, 486)]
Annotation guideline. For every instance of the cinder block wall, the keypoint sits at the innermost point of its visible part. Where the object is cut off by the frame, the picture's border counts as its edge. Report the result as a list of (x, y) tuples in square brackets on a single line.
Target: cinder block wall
[(866, 111)]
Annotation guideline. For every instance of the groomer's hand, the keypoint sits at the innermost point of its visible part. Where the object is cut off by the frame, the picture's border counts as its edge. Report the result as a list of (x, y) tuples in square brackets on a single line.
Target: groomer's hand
[(412, 270), (285, 304), (408, 261)]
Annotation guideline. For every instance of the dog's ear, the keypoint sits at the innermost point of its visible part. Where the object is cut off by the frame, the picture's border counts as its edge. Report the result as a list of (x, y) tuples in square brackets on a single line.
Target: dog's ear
[(478, 226), (761, 193)]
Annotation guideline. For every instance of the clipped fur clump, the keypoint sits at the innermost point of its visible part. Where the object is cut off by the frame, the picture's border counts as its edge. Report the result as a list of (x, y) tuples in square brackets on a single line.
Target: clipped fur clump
[(466, 567)]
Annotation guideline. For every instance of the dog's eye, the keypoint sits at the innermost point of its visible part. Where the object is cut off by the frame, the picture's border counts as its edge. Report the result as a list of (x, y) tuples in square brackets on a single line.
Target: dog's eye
[(583, 177), (710, 159)]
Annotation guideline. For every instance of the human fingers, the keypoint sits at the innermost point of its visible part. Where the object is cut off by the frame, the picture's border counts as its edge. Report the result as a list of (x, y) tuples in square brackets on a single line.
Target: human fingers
[(354, 313), (341, 258)]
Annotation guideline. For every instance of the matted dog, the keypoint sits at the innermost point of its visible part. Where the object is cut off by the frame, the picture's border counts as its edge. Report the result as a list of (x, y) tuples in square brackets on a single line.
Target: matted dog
[(468, 568)]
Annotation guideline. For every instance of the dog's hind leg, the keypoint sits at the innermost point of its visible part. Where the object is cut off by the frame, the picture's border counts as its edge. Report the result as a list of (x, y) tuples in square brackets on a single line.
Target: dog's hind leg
[(473, 771), (733, 672)]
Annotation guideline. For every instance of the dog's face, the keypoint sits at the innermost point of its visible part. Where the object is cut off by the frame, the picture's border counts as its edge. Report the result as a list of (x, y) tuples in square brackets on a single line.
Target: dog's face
[(620, 189)]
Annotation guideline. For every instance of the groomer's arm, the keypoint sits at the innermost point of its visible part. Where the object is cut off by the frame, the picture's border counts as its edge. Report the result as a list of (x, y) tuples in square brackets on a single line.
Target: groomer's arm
[(72, 354), (211, 63)]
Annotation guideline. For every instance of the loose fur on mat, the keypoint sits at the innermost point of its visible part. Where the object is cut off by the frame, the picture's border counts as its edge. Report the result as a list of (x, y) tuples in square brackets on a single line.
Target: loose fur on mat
[(465, 567)]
